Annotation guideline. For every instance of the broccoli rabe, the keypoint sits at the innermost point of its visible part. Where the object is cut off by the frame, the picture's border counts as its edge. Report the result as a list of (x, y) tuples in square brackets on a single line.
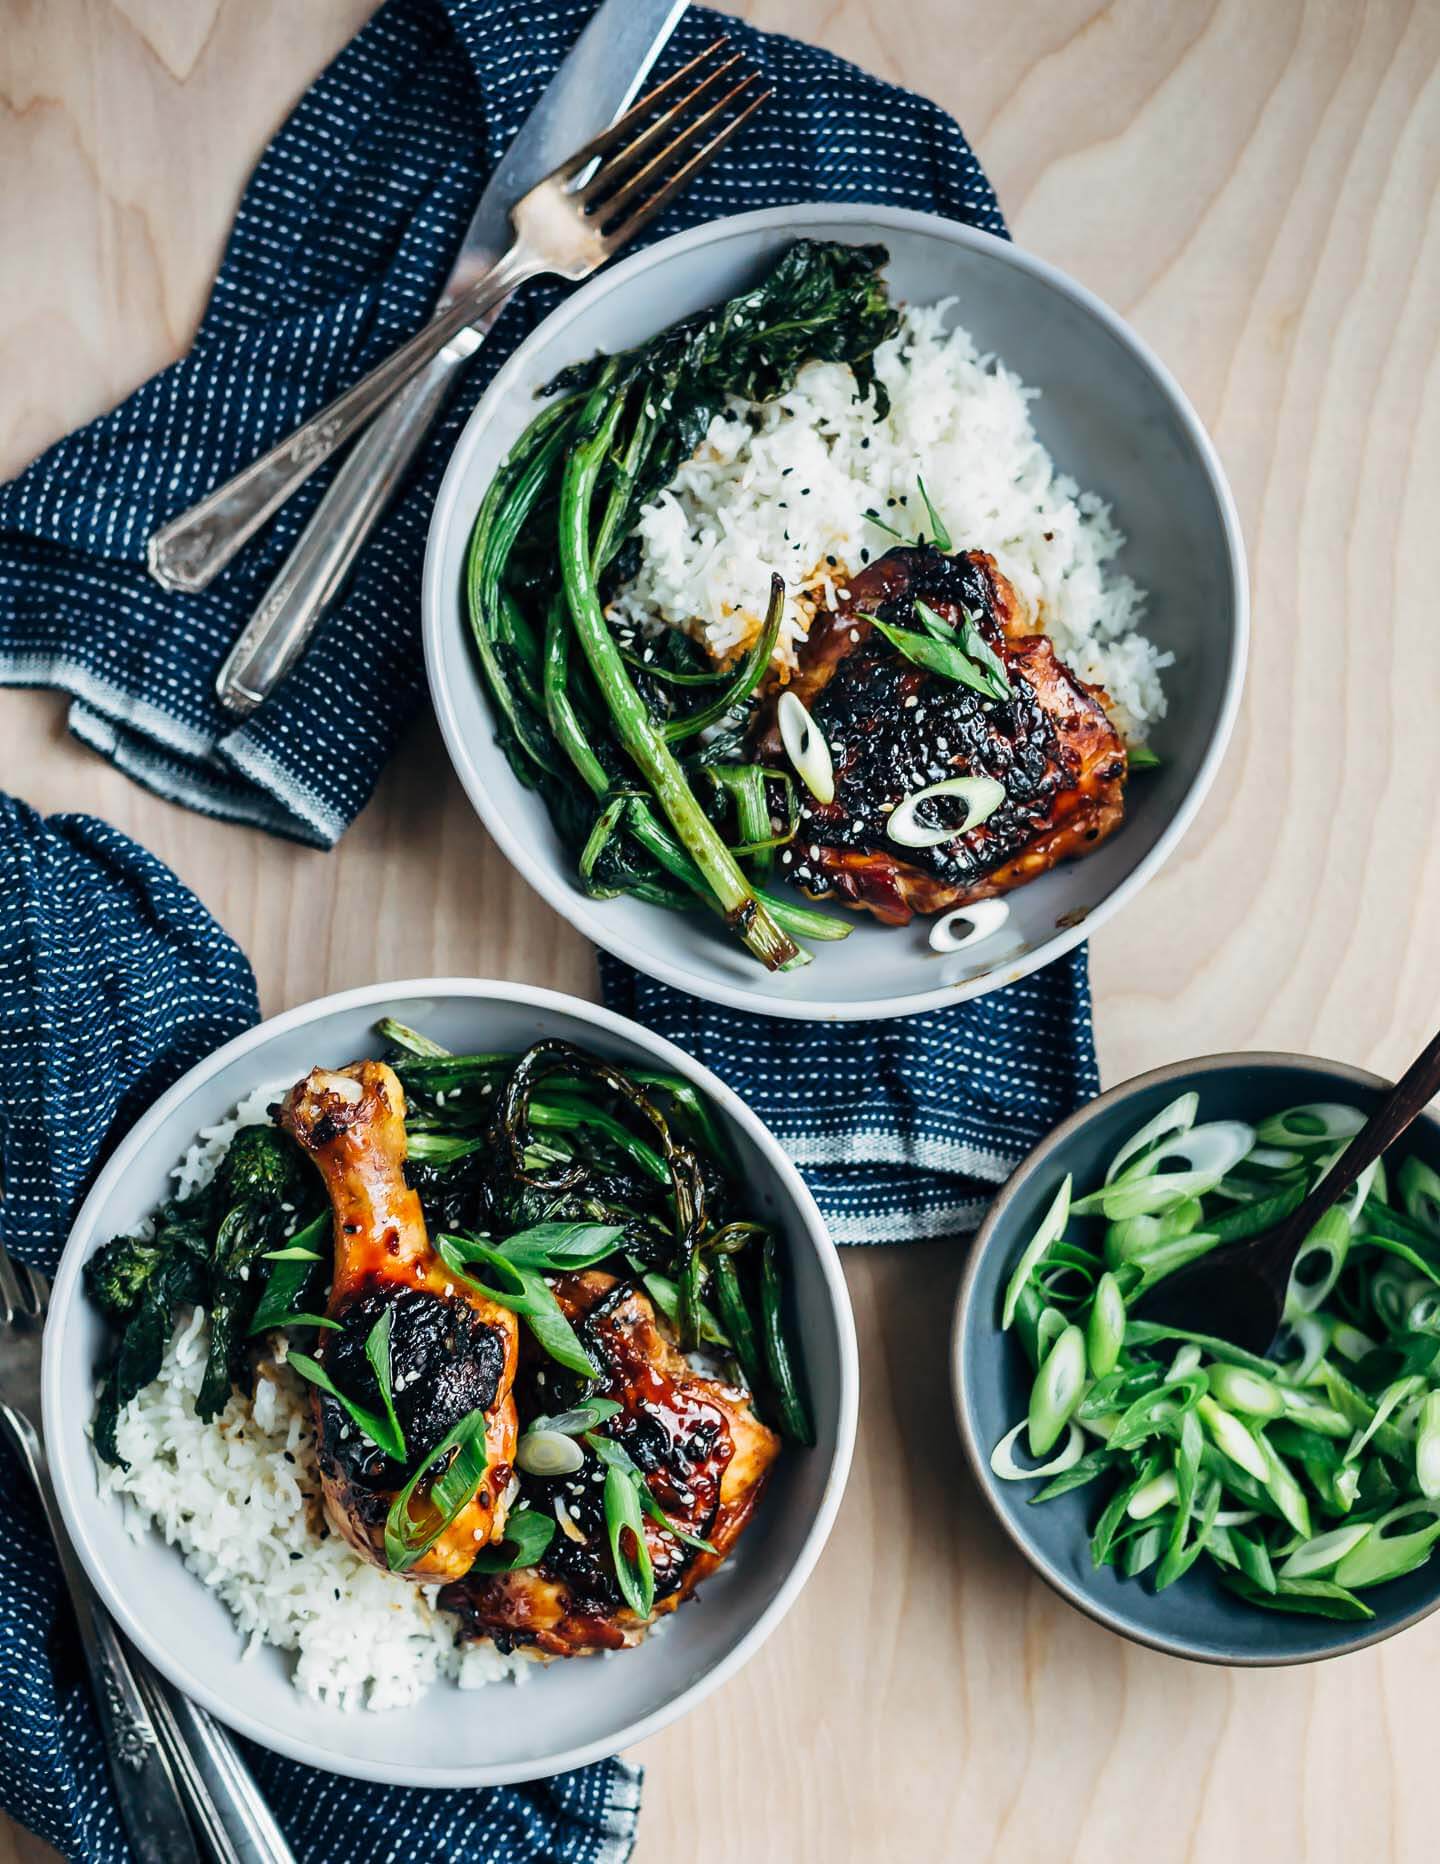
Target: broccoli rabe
[(118, 1275)]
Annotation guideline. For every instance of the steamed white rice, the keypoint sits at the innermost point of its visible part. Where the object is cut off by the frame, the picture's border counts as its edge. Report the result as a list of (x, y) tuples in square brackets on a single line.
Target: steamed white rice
[(783, 486), (240, 1497)]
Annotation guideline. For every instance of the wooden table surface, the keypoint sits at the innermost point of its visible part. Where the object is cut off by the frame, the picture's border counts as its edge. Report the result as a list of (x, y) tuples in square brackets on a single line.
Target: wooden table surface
[(1255, 188)]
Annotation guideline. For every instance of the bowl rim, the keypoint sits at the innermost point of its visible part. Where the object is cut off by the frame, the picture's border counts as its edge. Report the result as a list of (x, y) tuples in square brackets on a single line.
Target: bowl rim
[(978, 1456), (555, 887), (71, 1463)]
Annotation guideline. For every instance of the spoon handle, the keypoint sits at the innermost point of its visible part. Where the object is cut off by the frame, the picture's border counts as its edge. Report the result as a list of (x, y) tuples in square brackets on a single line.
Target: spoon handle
[(1408, 1098)]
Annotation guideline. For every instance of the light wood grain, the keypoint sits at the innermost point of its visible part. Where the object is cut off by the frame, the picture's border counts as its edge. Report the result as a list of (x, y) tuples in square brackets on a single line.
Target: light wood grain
[(1255, 188)]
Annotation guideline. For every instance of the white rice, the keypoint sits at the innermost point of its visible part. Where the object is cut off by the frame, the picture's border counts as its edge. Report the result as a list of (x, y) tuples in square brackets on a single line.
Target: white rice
[(783, 487), (241, 1498)]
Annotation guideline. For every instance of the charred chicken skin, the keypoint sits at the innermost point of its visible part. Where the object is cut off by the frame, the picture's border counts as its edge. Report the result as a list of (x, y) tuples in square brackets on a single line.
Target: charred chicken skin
[(452, 1351), (894, 728), (704, 1453)]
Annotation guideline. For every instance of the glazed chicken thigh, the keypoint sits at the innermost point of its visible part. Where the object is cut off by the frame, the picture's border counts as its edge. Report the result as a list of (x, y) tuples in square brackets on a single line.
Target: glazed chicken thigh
[(452, 1351), (895, 728), (698, 1442)]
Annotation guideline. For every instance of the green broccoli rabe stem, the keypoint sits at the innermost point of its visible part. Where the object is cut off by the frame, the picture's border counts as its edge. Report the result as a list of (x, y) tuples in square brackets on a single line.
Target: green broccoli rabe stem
[(656, 840), (636, 730)]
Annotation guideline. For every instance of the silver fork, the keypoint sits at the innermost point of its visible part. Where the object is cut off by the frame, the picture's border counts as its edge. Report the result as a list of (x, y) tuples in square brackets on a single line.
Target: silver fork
[(184, 1792), (568, 225)]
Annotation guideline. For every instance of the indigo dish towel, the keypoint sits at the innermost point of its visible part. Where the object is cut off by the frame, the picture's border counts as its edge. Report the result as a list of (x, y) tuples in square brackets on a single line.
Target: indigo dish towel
[(113, 981), (341, 245)]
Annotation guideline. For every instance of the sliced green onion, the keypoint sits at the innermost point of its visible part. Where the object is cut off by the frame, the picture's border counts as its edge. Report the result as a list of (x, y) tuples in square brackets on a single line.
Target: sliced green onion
[(1051, 1229), (1209, 1152), (1051, 1324), (1383, 1555), (407, 1540), (943, 655), (1240, 1390), (548, 1453), (381, 1431), (1324, 1552), (1105, 1329), (1419, 1188), (1393, 1396), (806, 747), (1312, 1413), (1056, 1390), (1318, 1265), (584, 1417), (561, 1247), (1318, 1123), (1178, 1117), (939, 536), (524, 1292), (1283, 1489), (1158, 1493), (968, 925), (625, 1526), (1427, 1448), (1350, 1342), (1272, 1159), (615, 1457), (377, 1351), (1229, 1434), (528, 1535), (982, 796), (1004, 1465)]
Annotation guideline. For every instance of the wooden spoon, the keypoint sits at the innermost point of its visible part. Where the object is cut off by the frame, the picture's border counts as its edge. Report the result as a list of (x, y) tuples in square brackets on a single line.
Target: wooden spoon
[(1238, 1293)]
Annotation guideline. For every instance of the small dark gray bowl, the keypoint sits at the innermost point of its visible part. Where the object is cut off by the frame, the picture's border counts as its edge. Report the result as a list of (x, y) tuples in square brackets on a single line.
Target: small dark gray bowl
[(1196, 1617)]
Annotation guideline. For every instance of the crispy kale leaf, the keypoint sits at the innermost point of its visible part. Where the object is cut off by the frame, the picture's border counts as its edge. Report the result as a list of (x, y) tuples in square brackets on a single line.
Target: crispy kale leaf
[(206, 1249), (259, 1188), (139, 1283)]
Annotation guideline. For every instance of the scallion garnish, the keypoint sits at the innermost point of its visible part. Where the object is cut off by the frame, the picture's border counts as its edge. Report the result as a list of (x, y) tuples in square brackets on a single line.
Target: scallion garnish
[(980, 797), (527, 1536), (411, 1533), (1306, 1478), (382, 1430), (523, 1291), (945, 656), (634, 1570)]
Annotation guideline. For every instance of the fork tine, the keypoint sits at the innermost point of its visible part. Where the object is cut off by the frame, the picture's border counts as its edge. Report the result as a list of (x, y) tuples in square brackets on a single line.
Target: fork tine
[(620, 129), (624, 159), (635, 187), (39, 1291), (682, 177), (14, 1299)]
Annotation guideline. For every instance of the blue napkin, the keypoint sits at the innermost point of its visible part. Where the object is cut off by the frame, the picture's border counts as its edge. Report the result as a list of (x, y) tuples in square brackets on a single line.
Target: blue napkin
[(113, 981), (342, 242), (903, 1129)]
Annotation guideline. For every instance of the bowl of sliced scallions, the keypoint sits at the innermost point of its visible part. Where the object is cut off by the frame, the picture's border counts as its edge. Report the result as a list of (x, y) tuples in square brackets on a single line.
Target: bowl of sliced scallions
[(1200, 1499)]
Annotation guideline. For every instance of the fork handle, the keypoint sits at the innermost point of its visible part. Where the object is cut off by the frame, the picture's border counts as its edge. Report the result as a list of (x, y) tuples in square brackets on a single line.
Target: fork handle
[(190, 550), (312, 576), (175, 1770), (146, 1790)]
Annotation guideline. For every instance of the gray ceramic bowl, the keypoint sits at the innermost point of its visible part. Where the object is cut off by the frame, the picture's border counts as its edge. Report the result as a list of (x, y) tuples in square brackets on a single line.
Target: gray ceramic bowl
[(1112, 417), (570, 1713), (1196, 1617)]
